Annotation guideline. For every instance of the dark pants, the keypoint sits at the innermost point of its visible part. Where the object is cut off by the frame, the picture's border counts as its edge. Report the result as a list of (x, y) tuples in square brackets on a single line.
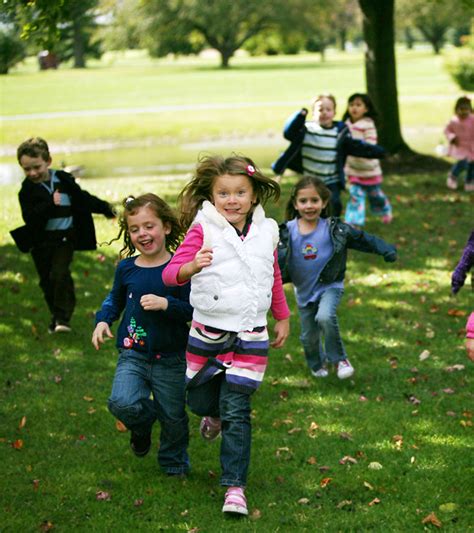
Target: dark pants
[(52, 262), (336, 203)]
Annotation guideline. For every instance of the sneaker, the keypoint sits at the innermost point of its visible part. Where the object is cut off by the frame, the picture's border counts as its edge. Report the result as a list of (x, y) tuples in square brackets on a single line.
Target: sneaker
[(210, 428), (387, 219), (140, 444), (235, 501), (452, 182), (62, 327), (469, 187), (321, 373), (344, 369)]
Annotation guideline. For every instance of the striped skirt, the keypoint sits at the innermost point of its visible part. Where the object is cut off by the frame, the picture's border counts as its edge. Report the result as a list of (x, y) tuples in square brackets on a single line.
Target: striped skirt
[(242, 356)]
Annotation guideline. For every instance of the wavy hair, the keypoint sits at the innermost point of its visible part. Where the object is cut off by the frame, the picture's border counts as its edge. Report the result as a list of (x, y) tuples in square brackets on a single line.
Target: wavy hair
[(308, 181)]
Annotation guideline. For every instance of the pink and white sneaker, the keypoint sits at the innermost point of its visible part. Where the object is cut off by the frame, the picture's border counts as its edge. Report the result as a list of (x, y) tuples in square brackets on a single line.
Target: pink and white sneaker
[(344, 369), (452, 183), (235, 501), (210, 428)]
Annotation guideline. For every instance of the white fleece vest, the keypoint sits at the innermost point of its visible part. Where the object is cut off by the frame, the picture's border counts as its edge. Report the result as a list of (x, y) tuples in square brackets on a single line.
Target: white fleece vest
[(234, 293)]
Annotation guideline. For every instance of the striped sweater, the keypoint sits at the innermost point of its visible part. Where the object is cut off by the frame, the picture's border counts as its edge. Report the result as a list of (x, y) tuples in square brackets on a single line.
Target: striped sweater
[(361, 167)]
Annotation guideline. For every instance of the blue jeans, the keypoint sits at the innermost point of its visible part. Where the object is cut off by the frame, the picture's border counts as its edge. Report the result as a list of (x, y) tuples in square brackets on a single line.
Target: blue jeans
[(215, 398), (136, 378), (319, 319), (336, 203), (463, 165)]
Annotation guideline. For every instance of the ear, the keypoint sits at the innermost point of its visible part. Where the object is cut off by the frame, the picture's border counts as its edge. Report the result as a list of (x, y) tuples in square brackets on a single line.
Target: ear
[(167, 228), (49, 161)]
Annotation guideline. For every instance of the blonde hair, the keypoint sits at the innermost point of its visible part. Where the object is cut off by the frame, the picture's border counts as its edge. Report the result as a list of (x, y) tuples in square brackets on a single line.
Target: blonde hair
[(320, 97), (209, 168)]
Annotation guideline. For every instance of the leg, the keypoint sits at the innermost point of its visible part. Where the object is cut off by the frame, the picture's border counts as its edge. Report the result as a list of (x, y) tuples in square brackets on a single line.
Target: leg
[(336, 203), (355, 209), (469, 184), (236, 436), (326, 319), (130, 398), (379, 203), (310, 337), (62, 284), (42, 258), (168, 388), (454, 173)]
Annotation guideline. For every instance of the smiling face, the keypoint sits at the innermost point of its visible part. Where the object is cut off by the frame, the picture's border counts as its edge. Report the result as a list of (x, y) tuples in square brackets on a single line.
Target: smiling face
[(357, 109), (36, 168), (233, 197), (148, 234), (463, 111), (324, 111), (309, 204)]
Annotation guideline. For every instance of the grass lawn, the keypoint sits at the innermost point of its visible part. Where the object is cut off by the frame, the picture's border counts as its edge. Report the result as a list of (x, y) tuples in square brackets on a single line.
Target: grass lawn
[(380, 452)]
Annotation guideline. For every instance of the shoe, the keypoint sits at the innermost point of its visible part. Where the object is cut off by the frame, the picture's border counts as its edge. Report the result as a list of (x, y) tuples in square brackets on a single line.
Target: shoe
[(235, 501), (469, 187), (210, 428), (52, 326), (321, 373), (140, 444), (452, 182), (62, 327), (386, 219), (344, 369)]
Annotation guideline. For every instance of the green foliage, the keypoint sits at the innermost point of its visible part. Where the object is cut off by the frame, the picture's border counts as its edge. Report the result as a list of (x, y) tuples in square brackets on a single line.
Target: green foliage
[(12, 50), (460, 65)]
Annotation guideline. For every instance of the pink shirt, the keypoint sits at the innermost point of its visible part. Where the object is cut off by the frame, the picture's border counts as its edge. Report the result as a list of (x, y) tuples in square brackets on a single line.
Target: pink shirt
[(463, 131), (188, 249), (470, 327)]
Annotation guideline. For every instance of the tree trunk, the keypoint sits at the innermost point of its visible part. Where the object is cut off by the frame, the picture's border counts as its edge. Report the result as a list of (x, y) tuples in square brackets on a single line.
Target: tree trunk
[(380, 70), (225, 58), (342, 39), (78, 46)]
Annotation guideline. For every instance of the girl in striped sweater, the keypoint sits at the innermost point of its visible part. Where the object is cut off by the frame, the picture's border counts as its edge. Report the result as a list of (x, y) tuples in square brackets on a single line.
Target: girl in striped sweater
[(229, 256), (364, 175)]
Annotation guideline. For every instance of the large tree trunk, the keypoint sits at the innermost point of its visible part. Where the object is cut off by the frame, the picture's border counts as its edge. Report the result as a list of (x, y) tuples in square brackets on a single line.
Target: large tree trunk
[(78, 45), (380, 70)]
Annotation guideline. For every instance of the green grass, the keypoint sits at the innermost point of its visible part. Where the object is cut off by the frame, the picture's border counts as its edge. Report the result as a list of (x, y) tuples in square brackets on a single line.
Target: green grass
[(389, 315), (274, 86)]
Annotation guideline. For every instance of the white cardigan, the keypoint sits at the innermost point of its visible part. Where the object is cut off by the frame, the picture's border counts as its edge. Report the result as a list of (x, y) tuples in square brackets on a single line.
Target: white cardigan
[(234, 293)]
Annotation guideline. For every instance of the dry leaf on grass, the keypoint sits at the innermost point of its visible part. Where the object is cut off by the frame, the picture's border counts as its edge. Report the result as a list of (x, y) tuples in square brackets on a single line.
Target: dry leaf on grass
[(431, 519)]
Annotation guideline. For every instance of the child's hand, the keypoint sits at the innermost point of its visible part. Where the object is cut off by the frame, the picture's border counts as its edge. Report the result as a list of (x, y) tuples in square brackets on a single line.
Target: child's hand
[(454, 141), (152, 302), (57, 197), (282, 330), (202, 259), (470, 349), (101, 329)]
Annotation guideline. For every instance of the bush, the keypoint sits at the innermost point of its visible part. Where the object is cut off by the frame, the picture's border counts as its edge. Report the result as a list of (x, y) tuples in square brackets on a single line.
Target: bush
[(12, 50), (461, 67)]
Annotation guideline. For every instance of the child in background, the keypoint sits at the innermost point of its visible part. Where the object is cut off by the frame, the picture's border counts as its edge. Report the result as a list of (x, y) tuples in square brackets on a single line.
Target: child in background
[(460, 135), (58, 217), (152, 334), (457, 281), (319, 147), (364, 175), (229, 256), (317, 253)]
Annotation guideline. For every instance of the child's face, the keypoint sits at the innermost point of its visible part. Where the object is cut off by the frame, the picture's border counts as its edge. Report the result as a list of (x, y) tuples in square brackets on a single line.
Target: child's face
[(324, 111), (35, 168), (463, 111), (357, 109), (309, 204), (233, 197), (148, 233)]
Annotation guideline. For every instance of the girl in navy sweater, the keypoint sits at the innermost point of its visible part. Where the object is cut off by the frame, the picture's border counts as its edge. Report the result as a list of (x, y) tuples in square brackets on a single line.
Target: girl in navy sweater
[(152, 334)]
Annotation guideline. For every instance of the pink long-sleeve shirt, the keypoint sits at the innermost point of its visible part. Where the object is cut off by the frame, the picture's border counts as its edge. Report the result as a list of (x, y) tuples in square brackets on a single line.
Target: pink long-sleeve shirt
[(188, 249), (463, 132)]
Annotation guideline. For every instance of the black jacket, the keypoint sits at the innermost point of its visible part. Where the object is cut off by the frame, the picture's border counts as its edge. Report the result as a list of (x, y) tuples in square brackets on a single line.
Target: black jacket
[(343, 237), (37, 206)]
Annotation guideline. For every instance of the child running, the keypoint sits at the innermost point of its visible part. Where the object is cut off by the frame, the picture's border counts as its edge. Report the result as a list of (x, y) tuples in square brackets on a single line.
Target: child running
[(319, 147), (316, 260), (460, 135), (152, 334), (364, 175), (229, 256)]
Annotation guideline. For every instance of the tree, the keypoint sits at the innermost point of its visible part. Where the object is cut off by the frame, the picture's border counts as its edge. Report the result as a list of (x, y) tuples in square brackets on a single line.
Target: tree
[(380, 70), (12, 49)]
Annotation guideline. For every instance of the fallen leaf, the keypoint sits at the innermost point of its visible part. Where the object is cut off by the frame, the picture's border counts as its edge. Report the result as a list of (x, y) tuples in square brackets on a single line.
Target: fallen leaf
[(424, 355), (57, 379), (344, 503), (288, 357), (138, 502), (36, 484), (453, 368), (22, 423), (120, 427), (303, 501), (375, 466), (17, 444), (375, 501), (324, 468), (450, 413), (88, 398), (284, 395), (91, 410), (448, 507), (46, 525), (312, 460), (431, 519), (325, 482), (256, 514), (449, 391), (312, 430), (456, 312), (347, 459), (368, 485), (184, 513), (194, 530), (294, 430), (101, 495), (363, 398), (345, 436), (211, 474)]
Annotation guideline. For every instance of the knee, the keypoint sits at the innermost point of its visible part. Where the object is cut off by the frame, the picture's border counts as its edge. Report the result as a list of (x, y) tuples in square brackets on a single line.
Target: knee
[(325, 319), (122, 409)]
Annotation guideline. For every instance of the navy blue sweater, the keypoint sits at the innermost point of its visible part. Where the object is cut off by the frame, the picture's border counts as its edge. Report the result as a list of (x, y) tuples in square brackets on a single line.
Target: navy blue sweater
[(151, 332)]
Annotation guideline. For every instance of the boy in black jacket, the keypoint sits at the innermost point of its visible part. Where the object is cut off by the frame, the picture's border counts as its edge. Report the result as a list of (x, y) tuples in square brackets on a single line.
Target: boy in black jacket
[(58, 217)]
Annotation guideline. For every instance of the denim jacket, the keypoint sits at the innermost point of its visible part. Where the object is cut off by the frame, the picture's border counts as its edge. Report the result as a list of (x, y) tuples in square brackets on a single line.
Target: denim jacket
[(343, 237), (294, 130)]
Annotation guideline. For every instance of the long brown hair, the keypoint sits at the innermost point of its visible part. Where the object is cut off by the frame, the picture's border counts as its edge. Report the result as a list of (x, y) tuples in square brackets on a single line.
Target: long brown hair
[(321, 189), (209, 168)]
